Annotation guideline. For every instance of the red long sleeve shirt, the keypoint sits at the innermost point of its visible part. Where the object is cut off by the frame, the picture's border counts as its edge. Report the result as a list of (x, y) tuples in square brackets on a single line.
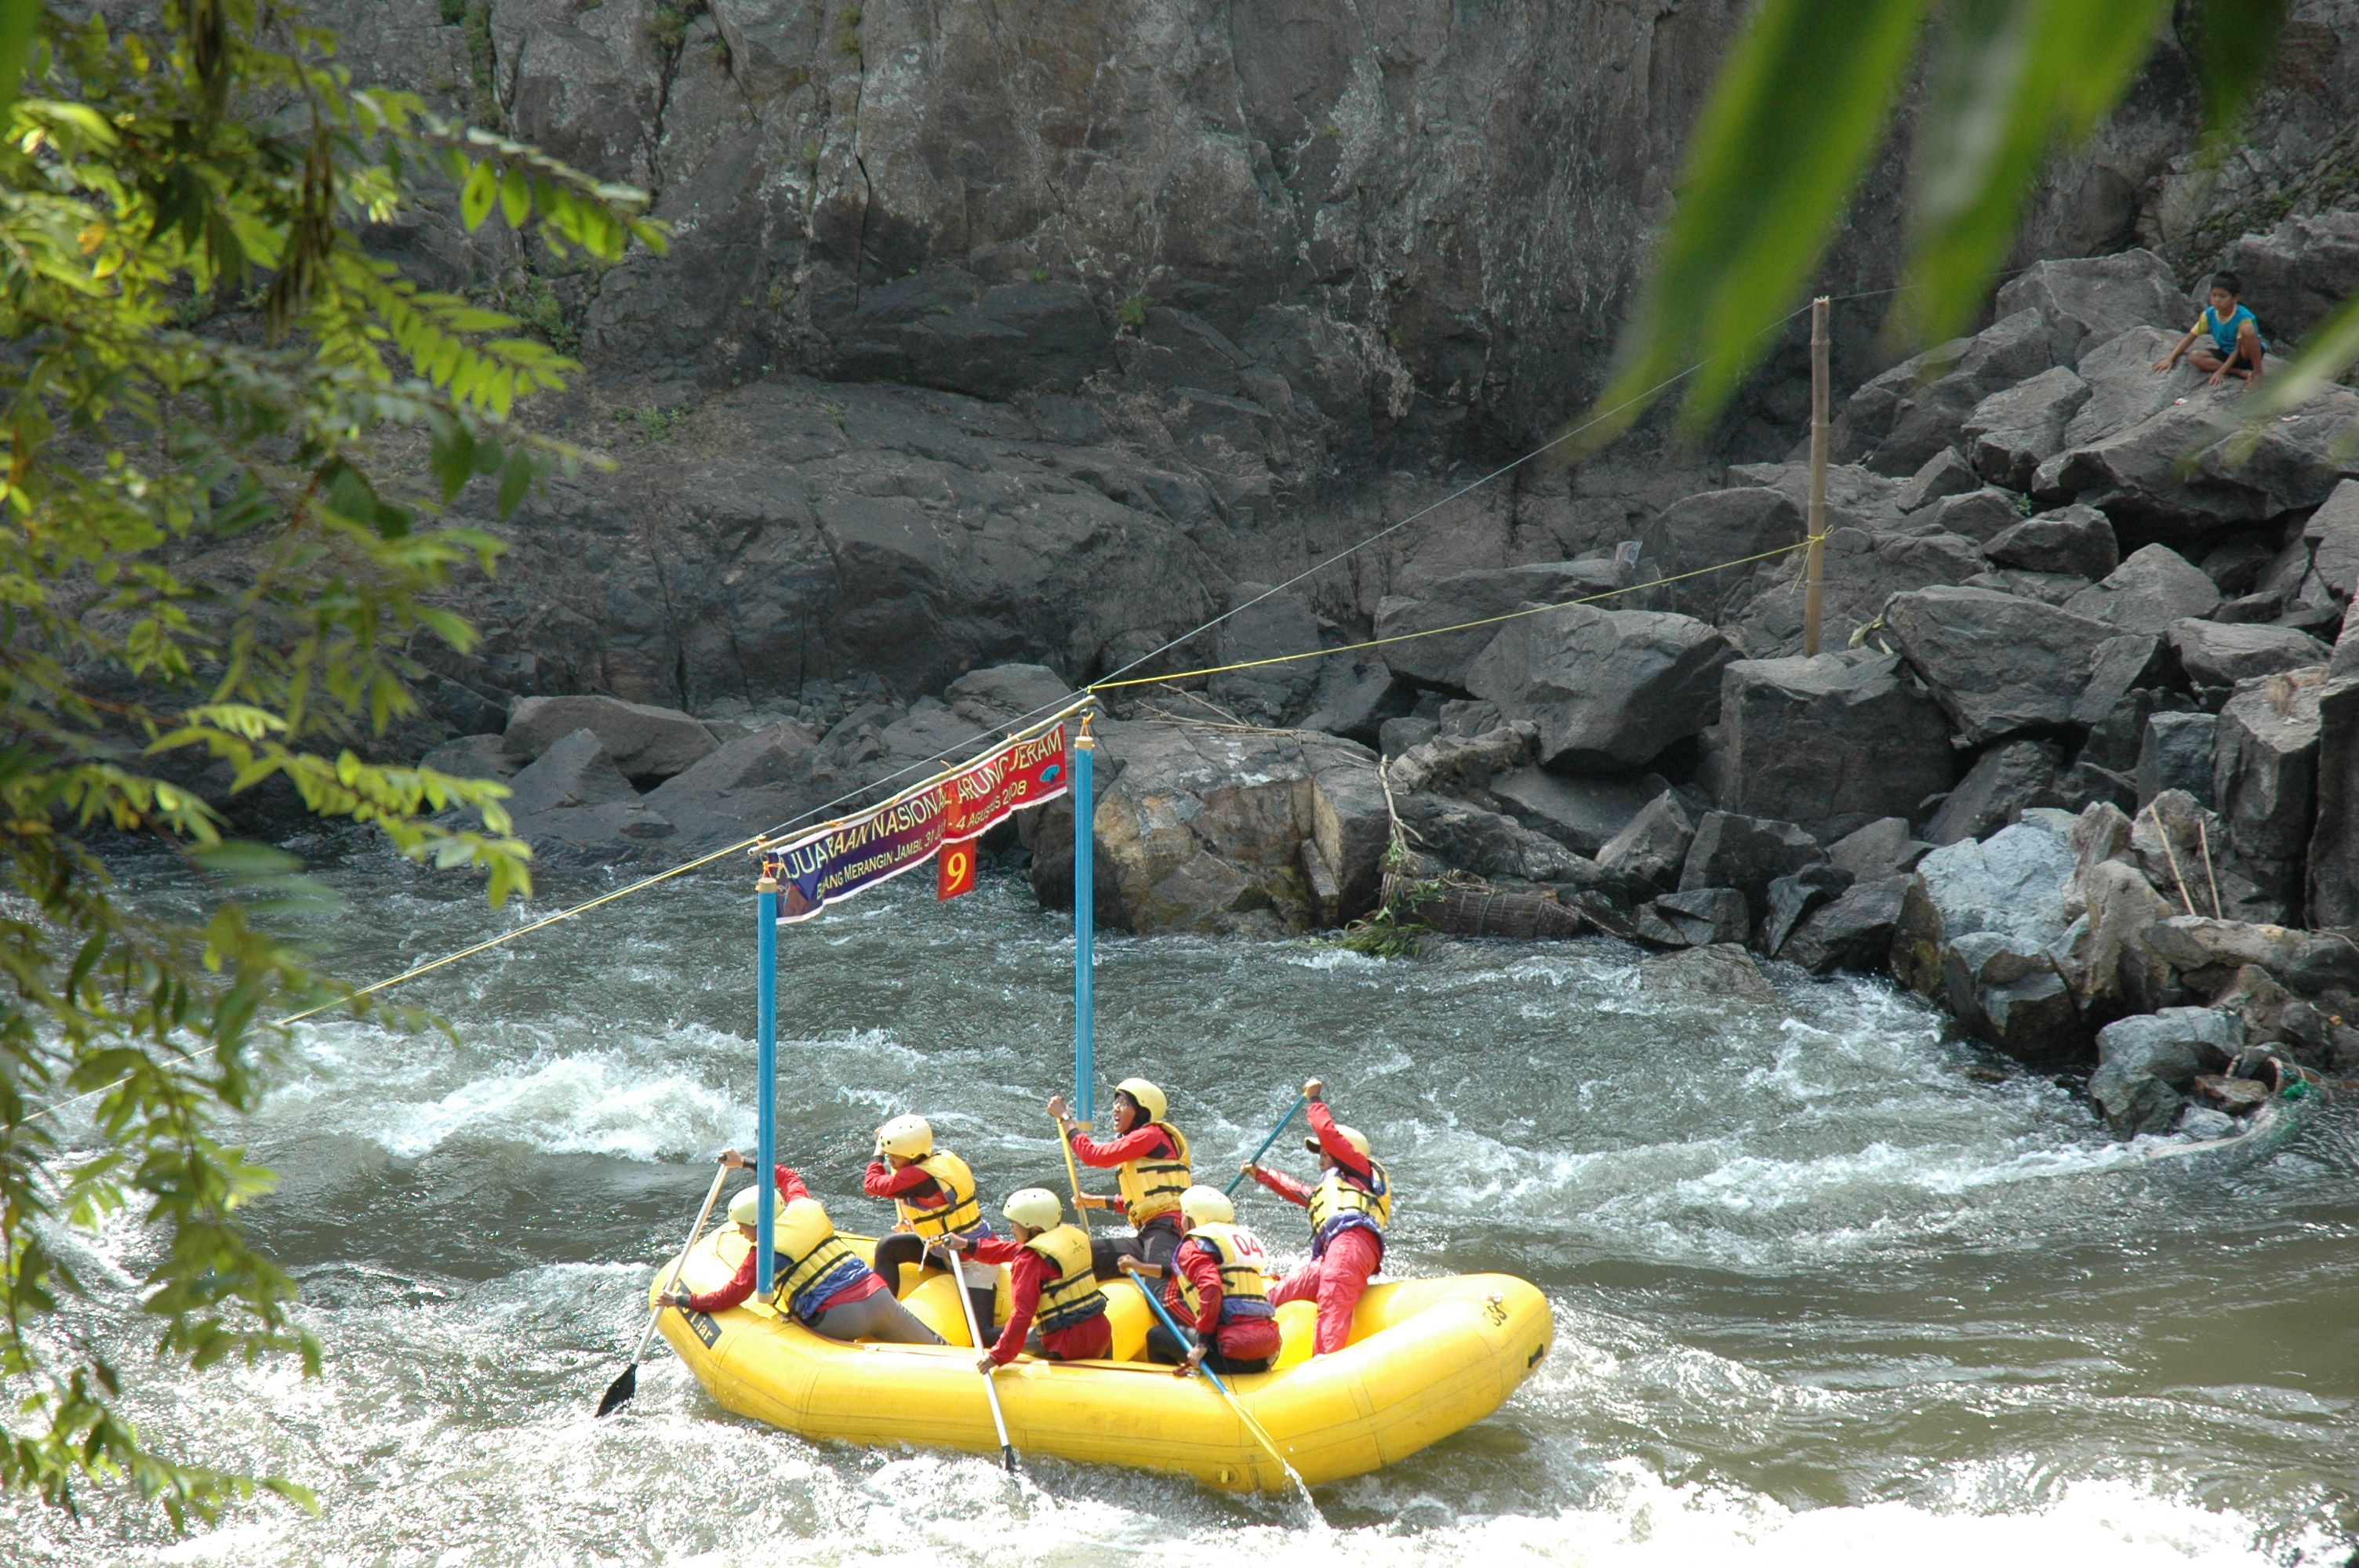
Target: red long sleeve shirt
[(1104, 1154), (1331, 1143), (1246, 1340), (741, 1284), (1027, 1274)]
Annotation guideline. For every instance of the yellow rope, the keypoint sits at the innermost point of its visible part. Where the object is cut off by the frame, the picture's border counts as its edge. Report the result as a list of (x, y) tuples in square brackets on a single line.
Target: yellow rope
[(1443, 631)]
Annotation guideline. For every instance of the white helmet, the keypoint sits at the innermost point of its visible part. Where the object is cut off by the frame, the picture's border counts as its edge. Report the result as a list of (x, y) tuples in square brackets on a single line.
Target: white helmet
[(1034, 1208), (745, 1208), (1207, 1205), (910, 1137)]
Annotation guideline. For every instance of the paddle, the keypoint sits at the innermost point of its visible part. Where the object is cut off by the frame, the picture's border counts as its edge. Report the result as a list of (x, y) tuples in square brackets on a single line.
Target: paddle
[(974, 1335), (619, 1392), (1072, 1170), (1290, 1113), (1244, 1415)]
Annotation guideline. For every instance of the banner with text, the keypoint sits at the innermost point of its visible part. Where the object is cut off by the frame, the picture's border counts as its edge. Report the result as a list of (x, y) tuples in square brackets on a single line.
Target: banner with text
[(852, 856)]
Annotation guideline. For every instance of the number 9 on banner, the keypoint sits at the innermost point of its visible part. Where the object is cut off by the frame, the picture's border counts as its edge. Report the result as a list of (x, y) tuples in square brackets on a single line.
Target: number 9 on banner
[(955, 870)]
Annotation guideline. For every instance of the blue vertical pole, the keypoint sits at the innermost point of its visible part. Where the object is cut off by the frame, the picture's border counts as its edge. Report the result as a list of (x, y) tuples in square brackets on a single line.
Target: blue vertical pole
[(1085, 1073), (765, 1135)]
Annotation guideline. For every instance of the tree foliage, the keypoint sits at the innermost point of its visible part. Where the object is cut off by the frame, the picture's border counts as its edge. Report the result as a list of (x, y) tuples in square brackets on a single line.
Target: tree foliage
[(200, 356), (1802, 107)]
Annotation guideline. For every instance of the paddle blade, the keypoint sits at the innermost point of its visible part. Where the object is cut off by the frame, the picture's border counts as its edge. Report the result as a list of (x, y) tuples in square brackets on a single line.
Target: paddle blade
[(1008, 1453), (619, 1393)]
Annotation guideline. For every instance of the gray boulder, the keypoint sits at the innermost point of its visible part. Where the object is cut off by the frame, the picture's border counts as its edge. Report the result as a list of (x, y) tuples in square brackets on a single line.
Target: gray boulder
[(1440, 662), (2333, 859), (1398, 737), (576, 809), (1852, 932), (2266, 764), (2003, 783), (1916, 408), (1867, 498), (1980, 514), (1472, 838), (754, 784), (1747, 854), (1650, 852), (1609, 688), (1996, 663), (2146, 1064), (2299, 272), (2332, 537), (1264, 625), (1793, 897), (2012, 432), (642, 742), (1944, 474), (1722, 970), (2149, 591), (1004, 695), (1885, 847), (1714, 526), (2087, 299), (471, 757), (2120, 665), (1977, 929), (1697, 917), (2074, 539), (1581, 813), (1462, 764), (1862, 571), (1355, 696), (1832, 743), (2220, 656), (2177, 754)]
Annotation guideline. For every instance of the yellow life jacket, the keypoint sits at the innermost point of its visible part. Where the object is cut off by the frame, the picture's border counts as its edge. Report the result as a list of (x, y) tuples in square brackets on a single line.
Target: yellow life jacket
[(1151, 1186), (1244, 1290), (961, 1214), (1338, 1204), (1073, 1295), (812, 1261)]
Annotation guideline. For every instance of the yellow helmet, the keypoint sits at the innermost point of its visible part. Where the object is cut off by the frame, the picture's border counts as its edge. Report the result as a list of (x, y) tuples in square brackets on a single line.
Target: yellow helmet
[(745, 1208), (1150, 1099), (1035, 1208), (1352, 1135), (910, 1137), (1207, 1205)]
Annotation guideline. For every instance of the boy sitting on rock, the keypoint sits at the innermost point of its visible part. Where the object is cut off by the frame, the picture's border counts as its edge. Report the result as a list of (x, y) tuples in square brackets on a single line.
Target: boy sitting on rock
[(2235, 346)]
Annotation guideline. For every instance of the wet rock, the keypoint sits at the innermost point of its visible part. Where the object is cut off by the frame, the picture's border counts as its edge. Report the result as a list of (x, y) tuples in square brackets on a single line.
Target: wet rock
[(2145, 1063), (1440, 662), (2012, 432), (1882, 849), (1581, 813), (2147, 592), (2234, 1097), (2072, 539), (1715, 526), (1832, 743), (642, 742), (1696, 917), (1913, 410), (1723, 970), (1652, 851), (754, 784), (1747, 854), (1793, 897), (2332, 535), (1610, 689), (1264, 624), (1457, 764), (2086, 300), (2220, 656), (2264, 776), (1853, 932), (1945, 473), (2299, 272), (1977, 928), (1982, 514), (2003, 782), (1995, 664), (2176, 755), (2333, 859)]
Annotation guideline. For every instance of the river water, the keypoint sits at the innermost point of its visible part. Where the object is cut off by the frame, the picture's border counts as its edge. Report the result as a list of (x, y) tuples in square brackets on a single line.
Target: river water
[(1824, 1290)]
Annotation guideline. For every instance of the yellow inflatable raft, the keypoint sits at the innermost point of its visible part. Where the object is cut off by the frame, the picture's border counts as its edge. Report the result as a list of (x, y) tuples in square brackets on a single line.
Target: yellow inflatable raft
[(1427, 1357)]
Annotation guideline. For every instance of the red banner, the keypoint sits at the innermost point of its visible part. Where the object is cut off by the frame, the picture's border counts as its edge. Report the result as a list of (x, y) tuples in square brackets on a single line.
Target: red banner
[(845, 858)]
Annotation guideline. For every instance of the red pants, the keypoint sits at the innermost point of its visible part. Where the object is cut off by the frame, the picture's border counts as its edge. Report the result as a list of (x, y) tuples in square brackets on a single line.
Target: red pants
[(1335, 1280)]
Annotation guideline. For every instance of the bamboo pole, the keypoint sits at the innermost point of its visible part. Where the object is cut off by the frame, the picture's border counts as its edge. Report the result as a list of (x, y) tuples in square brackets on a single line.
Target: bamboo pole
[(1815, 573)]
